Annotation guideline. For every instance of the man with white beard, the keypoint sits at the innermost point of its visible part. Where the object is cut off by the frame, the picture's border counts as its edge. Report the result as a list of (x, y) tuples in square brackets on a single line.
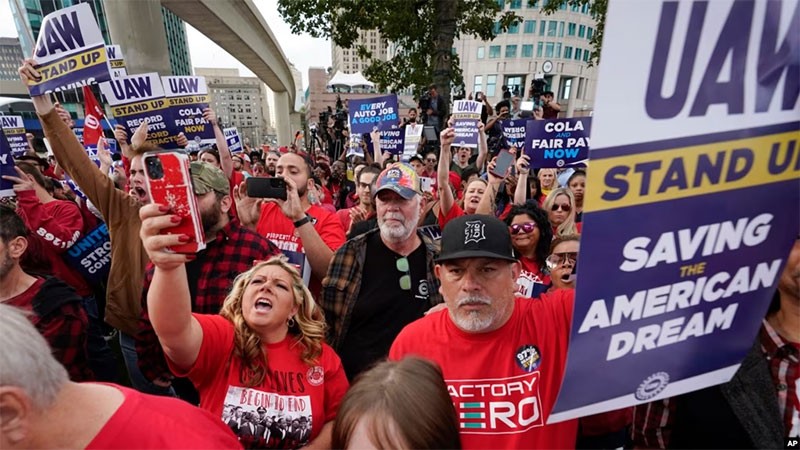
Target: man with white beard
[(502, 356), (382, 280)]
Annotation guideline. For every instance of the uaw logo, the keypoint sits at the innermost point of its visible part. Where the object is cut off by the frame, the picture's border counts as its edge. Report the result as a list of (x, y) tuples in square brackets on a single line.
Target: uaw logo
[(474, 231), (91, 122), (315, 375), (652, 386), (497, 405)]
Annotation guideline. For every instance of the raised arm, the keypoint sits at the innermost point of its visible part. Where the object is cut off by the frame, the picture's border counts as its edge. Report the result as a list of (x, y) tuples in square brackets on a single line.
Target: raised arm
[(376, 147), (169, 302), (483, 148), (225, 158), (486, 205), (446, 199), (523, 172)]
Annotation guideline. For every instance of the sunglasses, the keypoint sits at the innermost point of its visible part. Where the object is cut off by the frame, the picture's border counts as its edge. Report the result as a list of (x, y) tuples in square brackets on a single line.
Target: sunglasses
[(405, 280), (564, 208), (557, 259), (518, 228)]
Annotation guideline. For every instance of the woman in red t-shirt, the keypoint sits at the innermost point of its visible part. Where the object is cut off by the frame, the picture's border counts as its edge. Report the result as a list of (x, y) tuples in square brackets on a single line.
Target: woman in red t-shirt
[(261, 364), (531, 235)]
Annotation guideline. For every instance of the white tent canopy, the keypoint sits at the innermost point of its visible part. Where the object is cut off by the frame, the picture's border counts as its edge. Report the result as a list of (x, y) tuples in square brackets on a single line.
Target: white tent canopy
[(349, 80)]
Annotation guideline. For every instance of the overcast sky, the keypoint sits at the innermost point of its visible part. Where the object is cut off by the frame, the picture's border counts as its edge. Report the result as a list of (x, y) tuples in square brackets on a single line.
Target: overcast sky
[(303, 51)]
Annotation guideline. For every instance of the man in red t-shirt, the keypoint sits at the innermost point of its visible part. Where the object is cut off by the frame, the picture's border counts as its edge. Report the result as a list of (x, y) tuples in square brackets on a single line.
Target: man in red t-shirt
[(307, 234), (42, 409), (502, 357)]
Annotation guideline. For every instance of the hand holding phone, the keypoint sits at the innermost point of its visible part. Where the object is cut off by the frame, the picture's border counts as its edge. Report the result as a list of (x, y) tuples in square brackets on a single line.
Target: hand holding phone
[(503, 162), (169, 181), (260, 187)]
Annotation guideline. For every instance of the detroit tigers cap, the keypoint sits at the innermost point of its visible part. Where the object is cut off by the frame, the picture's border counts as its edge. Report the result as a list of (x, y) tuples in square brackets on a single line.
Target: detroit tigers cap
[(476, 236)]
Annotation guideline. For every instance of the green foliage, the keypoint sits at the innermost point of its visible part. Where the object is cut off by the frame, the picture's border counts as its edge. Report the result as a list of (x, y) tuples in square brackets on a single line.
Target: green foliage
[(597, 8)]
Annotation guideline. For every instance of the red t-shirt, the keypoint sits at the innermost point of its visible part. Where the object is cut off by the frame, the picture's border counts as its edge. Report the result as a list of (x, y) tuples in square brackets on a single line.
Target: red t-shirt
[(531, 281), (503, 383), (149, 421), (276, 227), (454, 212), (292, 389)]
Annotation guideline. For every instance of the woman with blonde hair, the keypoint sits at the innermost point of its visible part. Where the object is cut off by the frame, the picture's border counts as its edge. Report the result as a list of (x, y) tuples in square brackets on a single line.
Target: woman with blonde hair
[(263, 354), (548, 180), (560, 207), (398, 405)]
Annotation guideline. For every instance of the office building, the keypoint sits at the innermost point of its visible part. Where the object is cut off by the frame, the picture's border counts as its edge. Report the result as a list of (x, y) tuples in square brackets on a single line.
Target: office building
[(239, 102), (346, 60), (10, 56), (555, 47)]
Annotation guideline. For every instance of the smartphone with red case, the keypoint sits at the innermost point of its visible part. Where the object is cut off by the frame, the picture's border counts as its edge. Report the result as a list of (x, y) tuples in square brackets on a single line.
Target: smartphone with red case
[(169, 181)]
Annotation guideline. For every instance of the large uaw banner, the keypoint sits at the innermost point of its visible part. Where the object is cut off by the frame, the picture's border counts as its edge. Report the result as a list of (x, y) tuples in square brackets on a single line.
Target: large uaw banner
[(6, 167), (136, 98), (376, 113), (70, 51), (116, 63), (14, 129), (466, 116), (187, 97), (558, 142), (693, 199)]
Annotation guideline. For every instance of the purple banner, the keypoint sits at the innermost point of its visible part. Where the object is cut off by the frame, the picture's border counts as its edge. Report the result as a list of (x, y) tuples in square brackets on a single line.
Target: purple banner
[(392, 140), (367, 114), (138, 97), (514, 132), (466, 116), (558, 143), (6, 167), (14, 129), (187, 97), (70, 51)]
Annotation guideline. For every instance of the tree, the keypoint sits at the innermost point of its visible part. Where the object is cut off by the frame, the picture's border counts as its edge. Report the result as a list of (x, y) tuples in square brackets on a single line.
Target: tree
[(422, 33), (597, 8)]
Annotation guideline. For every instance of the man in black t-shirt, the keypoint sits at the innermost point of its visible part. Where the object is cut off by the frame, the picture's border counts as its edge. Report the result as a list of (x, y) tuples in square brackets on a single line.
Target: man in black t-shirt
[(382, 280)]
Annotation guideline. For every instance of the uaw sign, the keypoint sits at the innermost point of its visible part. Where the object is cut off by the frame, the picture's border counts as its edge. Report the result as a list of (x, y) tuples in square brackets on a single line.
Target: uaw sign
[(137, 98), (6, 167), (91, 255), (70, 51), (14, 129), (187, 97), (116, 63)]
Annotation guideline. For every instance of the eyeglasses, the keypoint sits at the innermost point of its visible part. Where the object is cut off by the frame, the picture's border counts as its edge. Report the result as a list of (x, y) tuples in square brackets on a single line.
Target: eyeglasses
[(564, 208), (557, 259), (518, 228), (405, 280)]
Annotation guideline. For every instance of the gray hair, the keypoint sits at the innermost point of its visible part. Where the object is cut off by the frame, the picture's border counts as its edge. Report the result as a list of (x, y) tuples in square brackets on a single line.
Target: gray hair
[(26, 360)]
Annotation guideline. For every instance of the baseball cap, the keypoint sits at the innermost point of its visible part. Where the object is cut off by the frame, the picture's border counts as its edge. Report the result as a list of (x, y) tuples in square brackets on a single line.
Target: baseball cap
[(207, 178), (418, 157), (476, 236), (400, 178)]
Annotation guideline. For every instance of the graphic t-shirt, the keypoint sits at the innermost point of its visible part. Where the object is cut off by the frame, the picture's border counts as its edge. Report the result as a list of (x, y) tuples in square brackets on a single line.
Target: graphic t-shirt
[(276, 227), (503, 383), (531, 281), (293, 397), (150, 421)]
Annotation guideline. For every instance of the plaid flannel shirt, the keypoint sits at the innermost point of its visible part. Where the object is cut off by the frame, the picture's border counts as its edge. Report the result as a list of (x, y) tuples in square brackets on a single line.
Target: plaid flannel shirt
[(341, 285), (234, 251), (652, 422)]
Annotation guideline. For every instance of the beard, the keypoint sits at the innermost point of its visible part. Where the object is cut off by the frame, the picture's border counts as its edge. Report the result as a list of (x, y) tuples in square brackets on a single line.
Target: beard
[(6, 265), (398, 232), (211, 219), (475, 321)]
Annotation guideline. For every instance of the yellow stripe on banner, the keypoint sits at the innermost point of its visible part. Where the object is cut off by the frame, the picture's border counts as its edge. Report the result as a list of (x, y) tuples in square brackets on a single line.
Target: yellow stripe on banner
[(691, 171), (187, 100), (118, 64), (14, 130), (136, 108), (74, 63)]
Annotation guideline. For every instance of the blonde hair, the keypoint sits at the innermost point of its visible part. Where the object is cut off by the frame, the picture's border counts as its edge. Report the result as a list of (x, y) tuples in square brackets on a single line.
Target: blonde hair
[(568, 226), (308, 329), (554, 185)]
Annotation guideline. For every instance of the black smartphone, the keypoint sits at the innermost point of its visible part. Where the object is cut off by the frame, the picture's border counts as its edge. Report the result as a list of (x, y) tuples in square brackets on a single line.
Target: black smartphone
[(261, 187), (479, 96), (504, 160)]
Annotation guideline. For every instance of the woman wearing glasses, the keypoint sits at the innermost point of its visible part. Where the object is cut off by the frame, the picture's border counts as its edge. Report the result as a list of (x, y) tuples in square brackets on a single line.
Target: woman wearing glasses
[(531, 236), (263, 350), (560, 207), (562, 261)]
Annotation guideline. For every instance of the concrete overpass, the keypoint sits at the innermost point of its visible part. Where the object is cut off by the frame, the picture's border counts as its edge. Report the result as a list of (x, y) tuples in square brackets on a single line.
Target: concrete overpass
[(235, 25)]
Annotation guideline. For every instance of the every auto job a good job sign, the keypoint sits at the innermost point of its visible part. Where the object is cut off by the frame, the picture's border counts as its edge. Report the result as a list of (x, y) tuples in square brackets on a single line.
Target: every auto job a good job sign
[(692, 199)]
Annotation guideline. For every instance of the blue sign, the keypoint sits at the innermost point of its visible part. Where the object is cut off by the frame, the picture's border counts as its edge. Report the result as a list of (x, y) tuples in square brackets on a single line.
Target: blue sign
[(514, 132), (70, 51), (466, 116), (91, 255), (692, 202), (376, 113), (233, 139), (558, 142), (6, 167), (187, 97), (14, 130)]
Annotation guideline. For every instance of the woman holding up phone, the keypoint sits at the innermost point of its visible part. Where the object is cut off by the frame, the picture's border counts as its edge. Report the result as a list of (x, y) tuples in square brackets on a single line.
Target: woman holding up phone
[(261, 362)]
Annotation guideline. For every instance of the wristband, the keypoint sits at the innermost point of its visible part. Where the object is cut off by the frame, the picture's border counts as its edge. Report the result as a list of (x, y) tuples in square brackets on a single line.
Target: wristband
[(303, 221)]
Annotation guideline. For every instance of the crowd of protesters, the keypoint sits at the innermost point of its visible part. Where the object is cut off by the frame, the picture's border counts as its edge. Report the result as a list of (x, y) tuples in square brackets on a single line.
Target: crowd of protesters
[(293, 301)]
